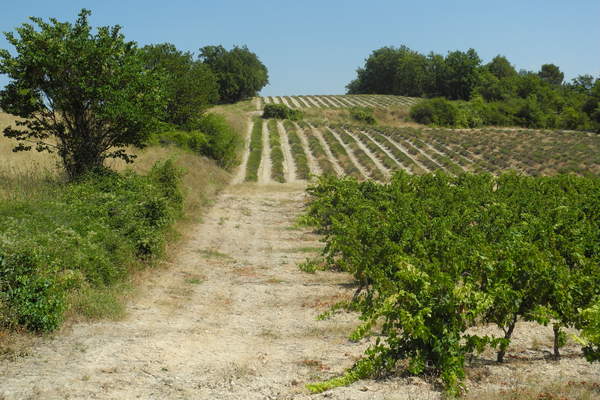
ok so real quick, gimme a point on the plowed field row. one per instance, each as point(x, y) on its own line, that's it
point(340, 101)
point(287, 151)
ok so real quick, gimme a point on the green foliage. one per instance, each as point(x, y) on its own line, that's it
point(363, 115)
point(591, 332)
point(402, 71)
point(85, 234)
point(551, 74)
point(85, 96)
point(223, 141)
point(534, 100)
point(435, 255)
point(438, 111)
point(210, 135)
point(281, 111)
point(192, 140)
point(256, 145)
point(240, 73)
point(276, 152)
point(190, 86)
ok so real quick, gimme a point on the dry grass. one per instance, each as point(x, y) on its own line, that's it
point(23, 174)
point(565, 390)
point(393, 116)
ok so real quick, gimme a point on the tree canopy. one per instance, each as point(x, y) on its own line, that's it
point(191, 86)
point(496, 93)
point(239, 72)
point(86, 96)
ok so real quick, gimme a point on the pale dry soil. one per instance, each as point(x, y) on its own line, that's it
point(234, 318)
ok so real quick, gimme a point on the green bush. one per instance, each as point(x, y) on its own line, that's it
point(438, 111)
point(281, 111)
point(223, 141)
point(434, 256)
point(363, 115)
point(210, 135)
point(86, 233)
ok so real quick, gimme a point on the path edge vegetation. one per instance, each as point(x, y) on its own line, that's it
point(72, 246)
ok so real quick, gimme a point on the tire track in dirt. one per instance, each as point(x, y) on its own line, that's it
point(289, 167)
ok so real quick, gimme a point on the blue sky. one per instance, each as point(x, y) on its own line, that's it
point(314, 47)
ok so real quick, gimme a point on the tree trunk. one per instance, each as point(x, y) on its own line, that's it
point(507, 334)
point(556, 329)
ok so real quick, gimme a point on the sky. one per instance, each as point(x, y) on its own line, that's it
point(315, 47)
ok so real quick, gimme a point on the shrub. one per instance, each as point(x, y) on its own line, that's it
point(281, 111)
point(438, 111)
point(210, 135)
point(83, 234)
point(363, 114)
point(223, 141)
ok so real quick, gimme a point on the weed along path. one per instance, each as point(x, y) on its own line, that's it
point(232, 318)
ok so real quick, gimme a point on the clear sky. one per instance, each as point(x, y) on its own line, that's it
point(314, 47)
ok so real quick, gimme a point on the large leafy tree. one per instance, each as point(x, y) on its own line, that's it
point(191, 86)
point(82, 94)
point(240, 73)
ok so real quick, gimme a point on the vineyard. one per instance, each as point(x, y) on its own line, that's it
point(435, 257)
point(446, 233)
point(288, 151)
point(340, 101)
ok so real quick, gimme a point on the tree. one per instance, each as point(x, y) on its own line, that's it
point(551, 74)
point(461, 74)
point(191, 86)
point(501, 68)
point(240, 73)
point(83, 95)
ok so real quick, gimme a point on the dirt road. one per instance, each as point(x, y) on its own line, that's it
point(232, 318)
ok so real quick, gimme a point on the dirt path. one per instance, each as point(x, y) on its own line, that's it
point(289, 168)
point(232, 318)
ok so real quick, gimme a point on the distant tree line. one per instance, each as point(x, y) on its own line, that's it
point(488, 94)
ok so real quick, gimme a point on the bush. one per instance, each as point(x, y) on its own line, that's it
point(86, 233)
point(223, 141)
point(210, 135)
point(438, 111)
point(363, 114)
point(281, 111)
